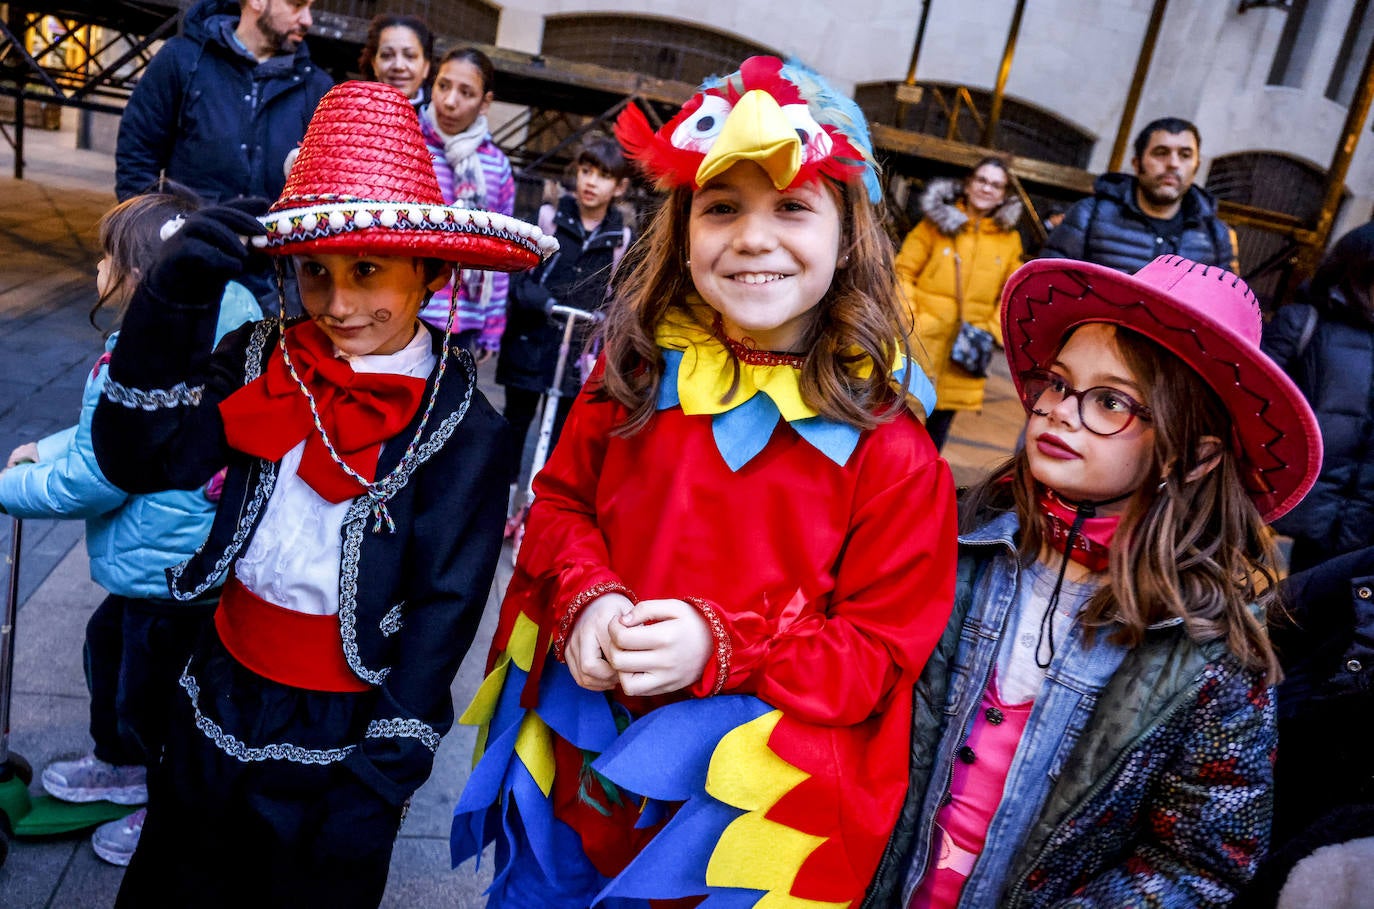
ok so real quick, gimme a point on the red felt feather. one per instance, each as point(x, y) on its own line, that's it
point(655, 154)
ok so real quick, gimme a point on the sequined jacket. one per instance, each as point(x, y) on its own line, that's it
point(409, 600)
point(1160, 796)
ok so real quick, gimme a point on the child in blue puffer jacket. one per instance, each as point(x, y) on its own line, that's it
point(138, 639)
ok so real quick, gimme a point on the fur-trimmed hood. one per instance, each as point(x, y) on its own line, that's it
point(938, 204)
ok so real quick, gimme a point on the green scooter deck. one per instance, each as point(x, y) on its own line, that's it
point(44, 815)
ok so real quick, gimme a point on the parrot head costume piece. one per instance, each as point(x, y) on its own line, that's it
point(782, 116)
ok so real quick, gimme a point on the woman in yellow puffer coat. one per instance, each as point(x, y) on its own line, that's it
point(968, 234)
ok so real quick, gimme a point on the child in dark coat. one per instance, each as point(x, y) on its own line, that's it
point(592, 236)
point(359, 526)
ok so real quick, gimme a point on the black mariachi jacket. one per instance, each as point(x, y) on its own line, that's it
point(409, 600)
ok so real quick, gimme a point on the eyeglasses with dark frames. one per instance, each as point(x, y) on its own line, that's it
point(990, 184)
point(1102, 410)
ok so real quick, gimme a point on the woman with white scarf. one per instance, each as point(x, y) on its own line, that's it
point(474, 173)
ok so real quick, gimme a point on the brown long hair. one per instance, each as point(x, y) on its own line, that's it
point(368, 56)
point(1197, 551)
point(860, 319)
point(131, 239)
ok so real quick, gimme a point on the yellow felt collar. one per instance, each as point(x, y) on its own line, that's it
point(708, 371)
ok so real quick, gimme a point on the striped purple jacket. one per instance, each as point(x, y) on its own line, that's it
point(488, 317)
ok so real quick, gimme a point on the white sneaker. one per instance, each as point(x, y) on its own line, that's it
point(92, 780)
point(116, 841)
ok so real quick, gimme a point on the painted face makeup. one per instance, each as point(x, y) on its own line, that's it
point(364, 304)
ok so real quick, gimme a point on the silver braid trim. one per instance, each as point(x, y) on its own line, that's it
point(262, 489)
point(257, 347)
point(355, 521)
point(398, 728)
point(393, 620)
point(281, 751)
point(179, 395)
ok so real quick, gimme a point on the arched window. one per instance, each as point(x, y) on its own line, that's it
point(465, 21)
point(943, 110)
point(1272, 181)
point(665, 48)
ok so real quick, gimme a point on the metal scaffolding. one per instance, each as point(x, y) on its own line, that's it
point(89, 55)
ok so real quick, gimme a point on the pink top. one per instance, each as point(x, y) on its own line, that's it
point(975, 791)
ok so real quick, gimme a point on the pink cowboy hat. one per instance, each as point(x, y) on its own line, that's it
point(1205, 316)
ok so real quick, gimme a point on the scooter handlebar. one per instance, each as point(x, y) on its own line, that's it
point(572, 312)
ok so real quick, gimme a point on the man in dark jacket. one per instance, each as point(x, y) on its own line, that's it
point(221, 105)
point(1131, 219)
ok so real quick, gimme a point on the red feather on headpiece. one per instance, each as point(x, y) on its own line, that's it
point(827, 123)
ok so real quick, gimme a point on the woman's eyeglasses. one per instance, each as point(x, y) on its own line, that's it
point(990, 184)
point(1102, 410)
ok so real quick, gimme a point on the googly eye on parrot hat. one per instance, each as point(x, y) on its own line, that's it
point(364, 184)
point(782, 116)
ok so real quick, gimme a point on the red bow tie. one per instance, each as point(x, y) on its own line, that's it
point(270, 415)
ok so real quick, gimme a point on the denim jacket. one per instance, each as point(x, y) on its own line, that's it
point(1144, 777)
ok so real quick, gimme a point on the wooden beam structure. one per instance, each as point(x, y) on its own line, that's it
point(565, 98)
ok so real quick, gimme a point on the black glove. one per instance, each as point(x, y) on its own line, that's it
point(528, 298)
point(206, 252)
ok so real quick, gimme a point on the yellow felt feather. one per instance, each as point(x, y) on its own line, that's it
point(754, 852)
point(534, 747)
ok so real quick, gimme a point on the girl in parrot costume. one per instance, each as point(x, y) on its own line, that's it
point(741, 552)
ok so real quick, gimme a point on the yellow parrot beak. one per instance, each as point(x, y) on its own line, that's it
point(756, 130)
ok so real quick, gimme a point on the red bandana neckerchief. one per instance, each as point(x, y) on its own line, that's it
point(1076, 531)
point(1091, 541)
point(270, 415)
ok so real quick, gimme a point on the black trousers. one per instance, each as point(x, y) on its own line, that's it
point(938, 424)
point(134, 651)
point(521, 408)
point(257, 829)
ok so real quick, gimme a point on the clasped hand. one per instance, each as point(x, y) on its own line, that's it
point(24, 454)
point(646, 648)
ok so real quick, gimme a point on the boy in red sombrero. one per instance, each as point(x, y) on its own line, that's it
point(1097, 726)
point(360, 521)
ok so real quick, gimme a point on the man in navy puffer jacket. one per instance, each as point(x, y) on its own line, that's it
point(1157, 211)
point(221, 105)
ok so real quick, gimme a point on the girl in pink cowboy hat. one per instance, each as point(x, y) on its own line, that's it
point(359, 525)
point(1097, 726)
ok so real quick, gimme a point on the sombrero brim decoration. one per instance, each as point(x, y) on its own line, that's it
point(364, 184)
point(1205, 316)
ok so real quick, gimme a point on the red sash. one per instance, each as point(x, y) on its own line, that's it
point(293, 648)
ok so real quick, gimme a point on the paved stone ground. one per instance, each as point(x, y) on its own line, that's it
point(48, 250)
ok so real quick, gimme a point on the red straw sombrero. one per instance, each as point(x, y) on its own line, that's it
point(364, 184)
point(1205, 316)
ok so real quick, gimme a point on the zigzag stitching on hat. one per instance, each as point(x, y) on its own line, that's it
point(309, 223)
point(1276, 463)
